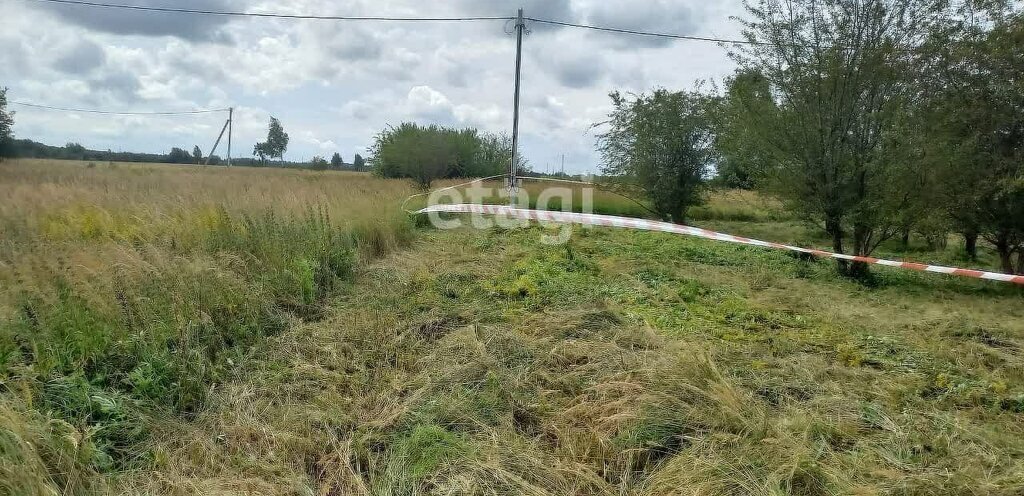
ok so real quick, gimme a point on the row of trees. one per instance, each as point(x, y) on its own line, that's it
point(6, 122)
point(875, 118)
point(426, 153)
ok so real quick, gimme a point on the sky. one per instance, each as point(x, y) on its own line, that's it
point(336, 84)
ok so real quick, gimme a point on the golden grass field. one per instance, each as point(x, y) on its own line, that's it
point(190, 330)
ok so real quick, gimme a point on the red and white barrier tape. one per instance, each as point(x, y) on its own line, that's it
point(652, 225)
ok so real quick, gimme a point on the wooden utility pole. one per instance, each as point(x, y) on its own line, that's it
point(231, 119)
point(514, 166)
point(227, 127)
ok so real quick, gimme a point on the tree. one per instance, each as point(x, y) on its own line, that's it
point(197, 154)
point(318, 163)
point(260, 151)
point(739, 154)
point(662, 143)
point(837, 72)
point(973, 99)
point(336, 161)
point(178, 156)
point(276, 143)
point(358, 163)
point(426, 153)
point(6, 123)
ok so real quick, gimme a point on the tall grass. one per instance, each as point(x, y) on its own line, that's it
point(128, 291)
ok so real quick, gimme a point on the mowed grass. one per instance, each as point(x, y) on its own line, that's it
point(487, 362)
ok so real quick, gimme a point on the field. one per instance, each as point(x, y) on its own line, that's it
point(181, 330)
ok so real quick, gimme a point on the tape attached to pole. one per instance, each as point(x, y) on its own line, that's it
point(652, 225)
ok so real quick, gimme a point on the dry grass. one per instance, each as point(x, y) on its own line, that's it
point(626, 363)
point(485, 362)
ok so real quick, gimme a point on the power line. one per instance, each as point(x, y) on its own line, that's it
point(107, 112)
point(176, 10)
point(648, 33)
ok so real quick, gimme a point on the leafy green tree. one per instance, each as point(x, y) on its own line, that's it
point(739, 153)
point(6, 123)
point(276, 143)
point(662, 143)
point(973, 102)
point(179, 156)
point(318, 163)
point(336, 161)
point(260, 151)
point(358, 163)
point(427, 153)
point(837, 71)
point(197, 154)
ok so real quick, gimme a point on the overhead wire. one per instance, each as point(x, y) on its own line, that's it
point(228, 13)
point(111, 112)
point(179, 10)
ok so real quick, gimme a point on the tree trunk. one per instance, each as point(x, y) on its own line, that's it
point(834, 228)
point(971, 244)
point(905, 239)
point(1020, 261)
point(861, 249)
point(1005, 252)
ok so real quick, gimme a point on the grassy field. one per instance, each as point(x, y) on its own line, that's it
point(178, 330)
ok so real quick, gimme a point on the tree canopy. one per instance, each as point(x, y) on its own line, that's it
point(427, 153)
point(661, 141)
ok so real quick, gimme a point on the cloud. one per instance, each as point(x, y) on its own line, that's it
point(579, 72)
point(428, 103)
point(547, 9)
point(143, 23)
point(83, 58)
point(659, 16)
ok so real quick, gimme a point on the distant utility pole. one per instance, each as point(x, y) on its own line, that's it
point(227, 127)
point(231, 126)
point(514, 166)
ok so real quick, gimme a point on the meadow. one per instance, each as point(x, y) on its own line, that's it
point(186, 330)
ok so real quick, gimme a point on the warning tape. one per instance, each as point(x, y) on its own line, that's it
point(652, 225)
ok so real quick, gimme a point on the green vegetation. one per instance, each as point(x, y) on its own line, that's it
point(623, 363)
point(275, 145)
point(662, 143)
point(125, 301)
point(234, 350)
point(427, 153)
point(6, 121)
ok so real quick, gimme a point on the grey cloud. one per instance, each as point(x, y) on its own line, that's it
point(579, 72)
point(121, 85)
point(84, 57)
point(548, 9)
point(573, 68)
point(353, 45)
point(661, 16)
point(134, 22)
point(13, 59)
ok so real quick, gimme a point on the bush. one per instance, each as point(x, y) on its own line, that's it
point(426, 153)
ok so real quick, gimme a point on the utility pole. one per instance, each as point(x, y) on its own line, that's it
point(514, 166)
point(231, 119)
point(563, 159)
point(227, 127)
